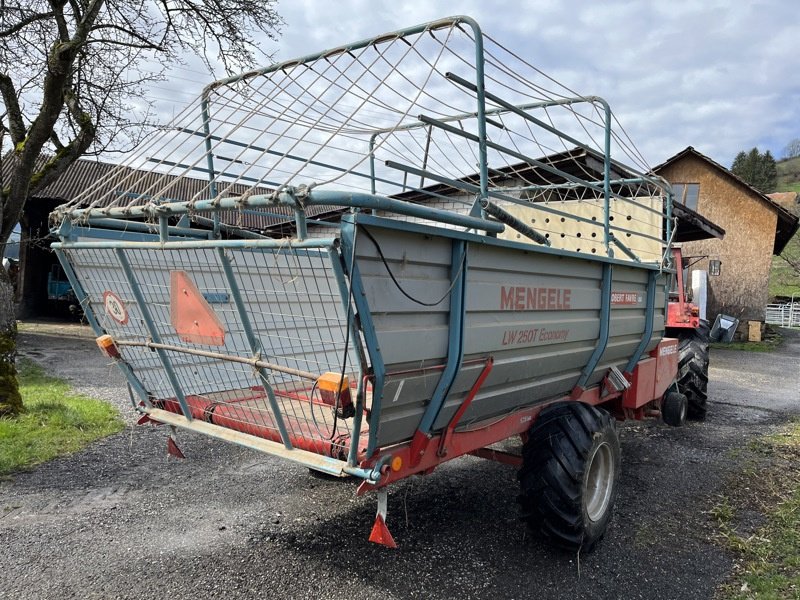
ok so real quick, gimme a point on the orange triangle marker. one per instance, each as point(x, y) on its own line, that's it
point(192, 317)
point(380, 534)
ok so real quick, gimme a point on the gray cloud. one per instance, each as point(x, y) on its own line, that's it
point(716, 75)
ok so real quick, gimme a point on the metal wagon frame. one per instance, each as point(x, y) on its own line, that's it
point(142, 248)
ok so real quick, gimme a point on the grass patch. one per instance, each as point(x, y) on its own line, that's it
point(769, 558)
point(745, 346)
point(56, 421)
point(783, 280)
point(771, 341)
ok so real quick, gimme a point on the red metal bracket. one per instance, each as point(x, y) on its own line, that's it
point(444, 441)
point(506, 458)
point(173, 450)
point(380, 532)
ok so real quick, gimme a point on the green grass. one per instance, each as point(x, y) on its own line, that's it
point(56, 421)
point(772, 339)
point(788, 172)
point(745, 346)
point(769, 558)
point(783, 280)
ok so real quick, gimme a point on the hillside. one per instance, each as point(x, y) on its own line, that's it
point(783, 280)
point(789, 175)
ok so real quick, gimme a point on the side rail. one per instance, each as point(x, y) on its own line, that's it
point(252, 341)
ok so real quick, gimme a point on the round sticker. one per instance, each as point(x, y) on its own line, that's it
point(115, 307)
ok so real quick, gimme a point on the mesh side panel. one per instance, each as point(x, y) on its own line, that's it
point(295, 309)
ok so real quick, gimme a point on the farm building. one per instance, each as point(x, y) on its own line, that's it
point(44, 292)
point(42, 289)
point(756, 228)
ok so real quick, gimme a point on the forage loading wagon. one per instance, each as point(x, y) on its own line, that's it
point(381, 257)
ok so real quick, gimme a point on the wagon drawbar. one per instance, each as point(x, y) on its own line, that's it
point(387, 255)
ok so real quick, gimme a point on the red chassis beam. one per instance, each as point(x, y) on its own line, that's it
point(649, 381)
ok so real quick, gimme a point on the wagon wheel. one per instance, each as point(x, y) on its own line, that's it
point(674, 409)
point(571, 465)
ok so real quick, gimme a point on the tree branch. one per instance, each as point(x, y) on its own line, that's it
point(61, 22)
point(25, 22)
point(16, 126)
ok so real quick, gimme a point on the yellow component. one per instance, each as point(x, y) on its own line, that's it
point(327, 382)
point(397, 463)
point(107, 345)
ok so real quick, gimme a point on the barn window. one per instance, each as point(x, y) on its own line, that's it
point(687, 194)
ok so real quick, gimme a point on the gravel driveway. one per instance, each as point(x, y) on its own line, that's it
point(122, 520)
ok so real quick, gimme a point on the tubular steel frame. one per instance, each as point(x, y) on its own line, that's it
point(109, 223)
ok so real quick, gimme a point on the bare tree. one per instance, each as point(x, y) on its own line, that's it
point(72, 80)
point(792, 149)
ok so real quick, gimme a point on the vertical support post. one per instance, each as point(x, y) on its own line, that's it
point(372, 186)
point(648, 322)
point(209, 158)
point(300, 223)
point(153, 331)
point(607, 178)
point(425, 156)
point(367, 327)
point(255, 345)
point(163, 228)
point(455, 352)
point(344, 291)
point(480, 85)
point(668, 211)
point(602, 341)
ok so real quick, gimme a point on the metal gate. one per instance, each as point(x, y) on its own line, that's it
point(785, 315)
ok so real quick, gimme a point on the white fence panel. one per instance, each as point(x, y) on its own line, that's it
point(785, 315)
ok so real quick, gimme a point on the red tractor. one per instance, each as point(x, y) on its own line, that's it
point(684, 323)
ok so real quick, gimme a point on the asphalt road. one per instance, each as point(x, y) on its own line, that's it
point(122, 520)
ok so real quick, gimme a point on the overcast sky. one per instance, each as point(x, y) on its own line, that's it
point(719, 76)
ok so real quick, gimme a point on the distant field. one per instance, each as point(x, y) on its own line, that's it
point(783, 280)
point(789, 171)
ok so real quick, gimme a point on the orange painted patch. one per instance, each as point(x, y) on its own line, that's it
point(192, 317)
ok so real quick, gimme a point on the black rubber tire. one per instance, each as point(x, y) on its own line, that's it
point(674, 409)
point(693, 367)
point(563, 498)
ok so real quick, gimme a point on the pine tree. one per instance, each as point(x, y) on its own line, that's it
point(757, 169)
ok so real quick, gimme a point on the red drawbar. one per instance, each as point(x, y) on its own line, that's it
point(192, 317)
point(380, 534)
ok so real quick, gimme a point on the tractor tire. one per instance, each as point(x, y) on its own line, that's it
point(693, 368)
point(570, 469)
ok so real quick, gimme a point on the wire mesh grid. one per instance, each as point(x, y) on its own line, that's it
point(395, 116)
point(294, 307)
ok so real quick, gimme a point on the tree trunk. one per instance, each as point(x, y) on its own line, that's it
point(10, 399)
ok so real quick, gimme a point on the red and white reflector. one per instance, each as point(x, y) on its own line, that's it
point(107, 346)
point(380, 534)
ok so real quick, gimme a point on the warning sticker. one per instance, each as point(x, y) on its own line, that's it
point(115, 307)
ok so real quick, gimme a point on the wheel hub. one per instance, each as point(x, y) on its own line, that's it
point(599, 482)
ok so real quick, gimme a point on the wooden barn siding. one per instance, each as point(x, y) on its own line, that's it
point(742, 289)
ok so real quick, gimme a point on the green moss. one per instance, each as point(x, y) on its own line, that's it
point(10, 398)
